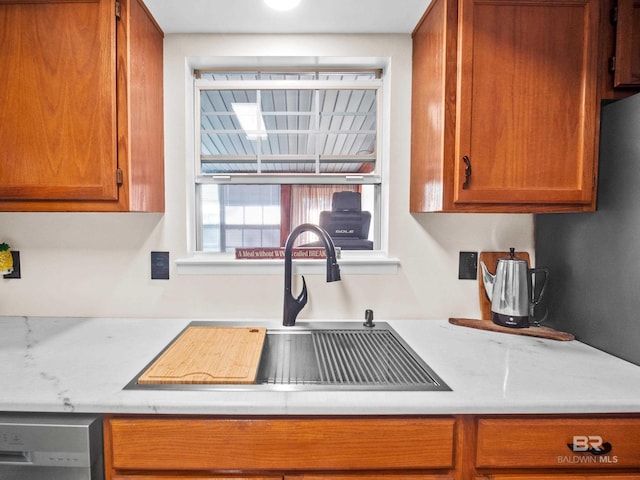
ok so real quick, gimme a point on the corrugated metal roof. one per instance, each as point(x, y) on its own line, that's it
point(307, 130)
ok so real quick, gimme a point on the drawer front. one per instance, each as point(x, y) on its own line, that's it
point(184, 477)
point(560, 476)
point(280, 444)
point(373, 476)
point(559, 443)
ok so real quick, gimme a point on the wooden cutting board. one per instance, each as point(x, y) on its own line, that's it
point(205, 354)
point(540, 332)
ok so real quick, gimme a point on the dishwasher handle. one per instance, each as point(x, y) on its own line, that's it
point(45, 459)
point(11, 458)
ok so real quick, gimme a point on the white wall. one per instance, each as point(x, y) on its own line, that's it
point(77, 264)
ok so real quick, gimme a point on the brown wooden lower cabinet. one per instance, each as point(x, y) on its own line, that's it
point(200, 477)
point(457, 447)
point(330, 476)
point(354, 448)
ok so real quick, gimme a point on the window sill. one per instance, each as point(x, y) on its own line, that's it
point(351, 263)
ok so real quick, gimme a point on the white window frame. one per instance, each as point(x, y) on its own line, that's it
point(352, 261)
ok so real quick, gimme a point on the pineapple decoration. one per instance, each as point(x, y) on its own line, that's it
point(6, 259)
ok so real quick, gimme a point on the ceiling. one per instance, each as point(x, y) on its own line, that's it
point(304, 130)
point(311, 16)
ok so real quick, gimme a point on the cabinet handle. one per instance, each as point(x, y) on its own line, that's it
point(467, 172)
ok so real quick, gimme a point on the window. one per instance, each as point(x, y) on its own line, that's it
point(240, 216)
point(277, 149)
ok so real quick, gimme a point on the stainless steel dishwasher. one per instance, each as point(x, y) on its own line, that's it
point(51, 447)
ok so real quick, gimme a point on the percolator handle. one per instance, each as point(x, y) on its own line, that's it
point(533, 272)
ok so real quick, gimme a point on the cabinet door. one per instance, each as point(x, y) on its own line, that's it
point(57, 100)
point(526, 126)
point(627, 64)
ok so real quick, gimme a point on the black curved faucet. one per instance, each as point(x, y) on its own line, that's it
point(292, 306)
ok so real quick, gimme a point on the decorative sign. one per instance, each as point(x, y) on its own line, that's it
point(267, 253)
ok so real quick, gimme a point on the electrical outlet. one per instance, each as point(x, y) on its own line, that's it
point(159, 265)
point(468, 266)
point(16, 265)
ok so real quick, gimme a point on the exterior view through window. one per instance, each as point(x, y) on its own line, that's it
point(277, 149)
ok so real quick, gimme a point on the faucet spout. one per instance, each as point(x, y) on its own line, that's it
point(293, 305)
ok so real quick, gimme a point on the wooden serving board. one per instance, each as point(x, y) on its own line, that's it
point(204, 354)
point(490, 259)
point(540, 332)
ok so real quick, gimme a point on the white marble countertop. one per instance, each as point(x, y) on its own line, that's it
point(82, 365)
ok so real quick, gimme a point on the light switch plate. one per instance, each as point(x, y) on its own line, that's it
point(468, 266)
point(159, 265)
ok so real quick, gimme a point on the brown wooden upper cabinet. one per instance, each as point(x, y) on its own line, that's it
point(505, 105)
point(81, 106)
point(626, 62)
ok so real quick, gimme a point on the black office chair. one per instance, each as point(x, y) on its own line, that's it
point(346, 223)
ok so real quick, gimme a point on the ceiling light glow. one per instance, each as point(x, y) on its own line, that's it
point(282, 4)
point(251, 120)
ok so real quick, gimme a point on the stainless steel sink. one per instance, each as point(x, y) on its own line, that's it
point(330, 356)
